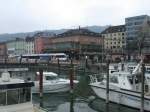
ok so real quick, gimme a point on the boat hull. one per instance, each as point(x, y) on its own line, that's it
point(129, 99)
point(53, 86)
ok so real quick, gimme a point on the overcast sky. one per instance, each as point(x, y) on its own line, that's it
point(31, 15)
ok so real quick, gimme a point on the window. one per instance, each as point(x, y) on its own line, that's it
point(136, 79)
point(15, 96)
point(51, 78)
point(3, 98)
point(114, 79)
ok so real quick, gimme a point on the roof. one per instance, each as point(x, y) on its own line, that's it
point(15, 40)
point(135, 17)
point(114, 29)
point(44, 34)
point(73, 32)
point(29, 39)
point(16, 85)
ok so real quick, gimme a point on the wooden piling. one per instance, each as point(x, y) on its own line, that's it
point(142, 87)
point(41, 83)
point(107, 83)
point(71, 102)
point(71, 76)
point(20, 60)
point(58, 64)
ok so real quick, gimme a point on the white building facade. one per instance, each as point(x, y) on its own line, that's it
point(30, 46)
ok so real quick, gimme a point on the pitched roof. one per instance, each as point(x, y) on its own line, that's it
point(114, 29)
point(79, 31)
point(29, 39)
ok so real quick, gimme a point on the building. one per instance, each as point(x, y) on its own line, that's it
point(3, 51)
point(114, 41)
point(133, 25)
point(29, 45)
point(133, 32)
point(76, 42)
point(16, 47)
point(145, 41)
point(40, 44)
point(41, 40)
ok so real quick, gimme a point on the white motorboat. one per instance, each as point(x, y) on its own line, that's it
point(131, 67)
point(124, 88)
point(52, 83)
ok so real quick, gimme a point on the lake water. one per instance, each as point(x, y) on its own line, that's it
point(63, 102)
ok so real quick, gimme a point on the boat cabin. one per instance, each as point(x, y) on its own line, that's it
point(47, 76)
point(125, 80)
point(14, 91)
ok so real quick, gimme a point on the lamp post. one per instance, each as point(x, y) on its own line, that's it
point(86, 63)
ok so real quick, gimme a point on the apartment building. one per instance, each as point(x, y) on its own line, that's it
point(16, 47)
point(30, 47)
point(114, 41)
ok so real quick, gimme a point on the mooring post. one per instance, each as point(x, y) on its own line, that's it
point(71, 102)
point(107, 83)
point(142, 87)
point(41, 83)
point(58, 63)
point(20, 60)
point(71, 76)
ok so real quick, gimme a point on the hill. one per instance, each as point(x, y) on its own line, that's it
point(6, 37)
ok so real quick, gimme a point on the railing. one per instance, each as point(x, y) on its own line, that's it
point(93, 78)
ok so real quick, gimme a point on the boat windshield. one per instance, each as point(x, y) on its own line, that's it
point(15, 96)
point(113, 79)
point(51, 77)
point(136, 79)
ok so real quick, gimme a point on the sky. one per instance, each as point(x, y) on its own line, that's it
point(34, 15)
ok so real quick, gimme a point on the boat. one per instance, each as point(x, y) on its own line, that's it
point(124, 88)
point(52, 83)
point(15, 94)
point(132, 67)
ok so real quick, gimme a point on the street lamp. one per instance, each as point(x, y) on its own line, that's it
point(86, 63)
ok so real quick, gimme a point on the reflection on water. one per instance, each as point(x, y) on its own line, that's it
point(63, 102)
point(51, 101)
point(101, 106)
